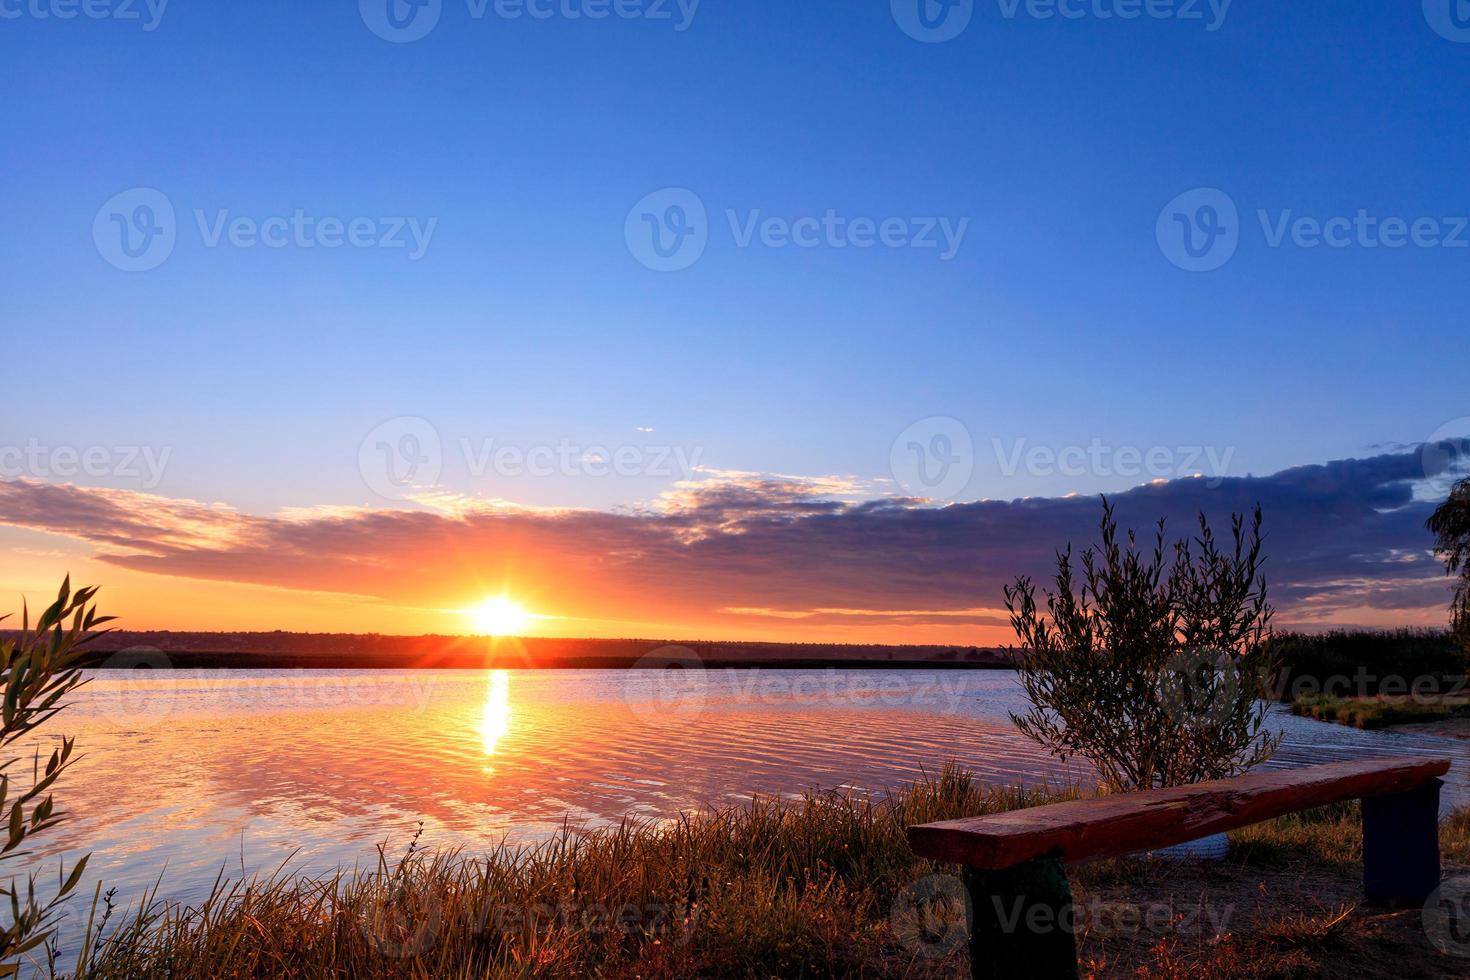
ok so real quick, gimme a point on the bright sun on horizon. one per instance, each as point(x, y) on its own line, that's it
point(500, 616)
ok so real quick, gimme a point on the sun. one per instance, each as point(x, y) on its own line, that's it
point(500, 616)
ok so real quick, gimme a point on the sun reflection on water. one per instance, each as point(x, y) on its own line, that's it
point(495, 720)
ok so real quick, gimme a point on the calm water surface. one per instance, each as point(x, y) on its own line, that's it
point(244, 770)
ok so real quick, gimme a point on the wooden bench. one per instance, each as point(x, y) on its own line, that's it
point(1015, 862)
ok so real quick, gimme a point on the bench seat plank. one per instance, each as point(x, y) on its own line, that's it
point(1111, 826)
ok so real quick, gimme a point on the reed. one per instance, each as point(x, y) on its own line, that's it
point(779, 887)
point(776, 887)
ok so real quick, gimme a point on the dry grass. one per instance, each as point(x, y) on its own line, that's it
point(777, 888)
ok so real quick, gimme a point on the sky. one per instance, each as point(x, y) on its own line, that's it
point(774, 321)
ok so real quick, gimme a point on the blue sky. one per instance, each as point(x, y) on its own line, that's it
point(1059, 322)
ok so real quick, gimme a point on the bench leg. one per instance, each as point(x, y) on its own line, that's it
point(1401, 846)
point(1024, 924)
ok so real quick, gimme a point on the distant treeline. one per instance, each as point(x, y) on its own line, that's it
point(1364, 663)
point(281, 649)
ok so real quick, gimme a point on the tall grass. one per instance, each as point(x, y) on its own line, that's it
point(775, 888)
point(781, 887)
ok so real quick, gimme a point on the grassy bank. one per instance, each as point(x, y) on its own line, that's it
point(823, 886)
point(1381, 711)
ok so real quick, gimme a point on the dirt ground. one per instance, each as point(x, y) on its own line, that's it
point(1231, 919)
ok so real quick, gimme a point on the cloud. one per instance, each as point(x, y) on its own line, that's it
point(1346, 544)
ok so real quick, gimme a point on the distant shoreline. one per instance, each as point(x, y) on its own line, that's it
point(342, 651)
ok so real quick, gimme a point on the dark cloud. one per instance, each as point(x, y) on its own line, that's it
point(1343, 538)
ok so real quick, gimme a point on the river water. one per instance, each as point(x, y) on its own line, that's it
point(186, 773)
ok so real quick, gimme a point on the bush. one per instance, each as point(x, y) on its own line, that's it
point(39, 668)
point(1150, 670)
